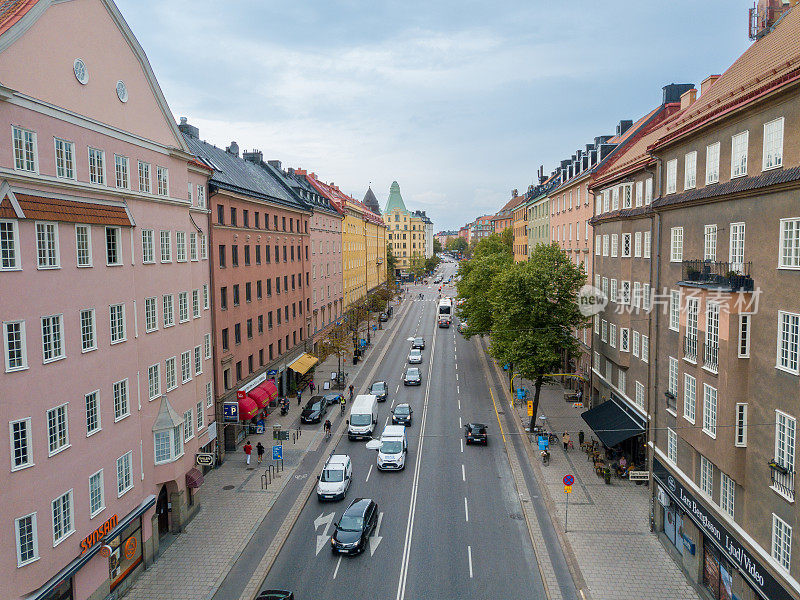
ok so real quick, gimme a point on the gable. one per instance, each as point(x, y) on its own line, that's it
point(53, 34)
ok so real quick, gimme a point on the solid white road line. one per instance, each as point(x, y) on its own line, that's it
point(369, 473)
point(469, 557)
point(466, 509)
point(463, 476)
point(338, 562)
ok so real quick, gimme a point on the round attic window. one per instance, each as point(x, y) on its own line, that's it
point(122, 91)
point(81, 73)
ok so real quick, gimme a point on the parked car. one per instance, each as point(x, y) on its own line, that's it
point(354, 528)
point(419, 342)
point(475, 433)
point(379, 389)
point(334, 481)
point(275, 595)
point(412, 376)
point(314, 410)
point(383, 317)
point(331, 399)
point(401, 415)
point(415, 356)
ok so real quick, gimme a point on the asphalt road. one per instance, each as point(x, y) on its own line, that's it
point(451, 524)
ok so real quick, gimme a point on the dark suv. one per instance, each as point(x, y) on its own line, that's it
point(419, 342)
point(380, 389)
point(354, 528)
point(475, 433)
point(314, 410)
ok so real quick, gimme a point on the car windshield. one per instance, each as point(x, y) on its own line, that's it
point(418, 340)
point(401, 410)
point(332, 475)
point(332, 398)
point(413, 373)
point(392, 447)
point(415, 352)
point(351, 523)
point(314, 407)
point(379, 387)
point(360, 419)
point(478, 430)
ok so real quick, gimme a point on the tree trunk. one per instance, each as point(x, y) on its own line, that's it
point(537, 386)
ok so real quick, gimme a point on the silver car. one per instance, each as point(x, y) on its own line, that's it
point(415, 356)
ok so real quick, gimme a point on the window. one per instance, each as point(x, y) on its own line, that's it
point(180, 246)
point(113, 246)
point(690, 170)
point(198, 360)
point(162, 178)
point(169, 311)
point(63, 523)
point(706, 476)
point(52, 338)
point(88, 337)
point(709, 410)
point(736, 257)
point(148, 253)
point(613, 291)
point(712, 163)
point(92, 413)
point(27, 539)
point(604, 329)
point(692, 310)
point(201, 196)
point(47, 245)
point(57, 429)
point(9, 246)
point(188, 425)
point(236, 294)
point(646, 253)
point(121, 407)
point(195, 304)
point(773, 144)
point(676, 244)
point(170, 374)
point(639, 394)
point(612, 335)
point(739, 154)
point(154, 381)
point(727, 494)
point(781, 541)
point(186, 367)
point(205, 296)
point(597, 245)
point(645, 348)
point(235, 255)
point(689, 397)
point(20, 433)
point(648, 190)
point(605, 245)
point(97, 171)
point(166, 247)
point(710, 243)
point(744, 336)
point(741, 424)
point(614, 245)
point(635, 349)
point(150, 314)
point(183, 307)
point(16, 352)
point(626, 245)
point(25, 153)
point(637, 294)
point(672, 175)
point(789, 249)
point(65, 159)
point(203, 248)
point(639, 193)
point(117, 318)
point(200, 413)
point(624, 339)
point(193, 245)
point(124, 478)
point(672, 382)
point(121, 171)
point(144, 177)
point(625, 292)
point(788, 341)
point(210, 394)
point(785, 440)
point(711, 349)
point(621, 381)
point(672, 446)
point(83, 245)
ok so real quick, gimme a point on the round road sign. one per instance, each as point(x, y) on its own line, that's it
point(569, 480)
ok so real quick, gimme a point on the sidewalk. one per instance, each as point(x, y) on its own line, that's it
point(608, 529)
point(233, 503)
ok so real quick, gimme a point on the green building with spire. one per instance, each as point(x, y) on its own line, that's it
point(406, 231)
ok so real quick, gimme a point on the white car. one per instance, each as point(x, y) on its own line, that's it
point(334, 481)
point(392, 448)
point(415, 356)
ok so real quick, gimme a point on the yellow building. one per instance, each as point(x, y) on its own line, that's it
point(520, 213)
point(406, 231)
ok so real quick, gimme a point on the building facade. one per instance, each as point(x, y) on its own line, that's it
point(520, 215)
point(427, 233)
point(405, 231)
point(107, 390)
point(539, 212)
point(480, 228)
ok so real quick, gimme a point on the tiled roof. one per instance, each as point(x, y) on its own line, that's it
point(69, 211)
point(623, 213)
point(299, 186)
point(741, 184)
point(340, 199)
point(12, 11)
point(233, 173)
point(768, 63)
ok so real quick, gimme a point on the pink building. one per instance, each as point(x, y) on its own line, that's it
point(107, 386)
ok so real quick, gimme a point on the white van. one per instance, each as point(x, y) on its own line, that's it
point(393, 448)
point(363, 417)
point(335, 478)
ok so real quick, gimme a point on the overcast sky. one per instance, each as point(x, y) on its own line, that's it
point(460, 101)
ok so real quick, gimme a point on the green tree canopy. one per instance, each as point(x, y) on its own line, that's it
point(391, 262)
point(437, 245)
point(457, 244)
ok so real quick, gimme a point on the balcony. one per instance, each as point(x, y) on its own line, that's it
point(782, 480)
point(690, 347)
point(711, 356)
point(733, 277)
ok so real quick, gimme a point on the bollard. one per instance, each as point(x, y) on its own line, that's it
point(264, 480)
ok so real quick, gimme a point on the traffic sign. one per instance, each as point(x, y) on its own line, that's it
point(530, 408)
point(230, 412)
point(272, 373)
point(569, 480)
point(204, 459)
point(567, 489)
point(277, 453)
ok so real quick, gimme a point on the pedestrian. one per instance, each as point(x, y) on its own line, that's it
point(351, 392)
point(565, 440)
point(311, 385)
point(299, 397)
point(260, 451)
point(580, 438)
point(247, 450)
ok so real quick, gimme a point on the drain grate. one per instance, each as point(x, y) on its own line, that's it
point(228, 487)
point(517, 516)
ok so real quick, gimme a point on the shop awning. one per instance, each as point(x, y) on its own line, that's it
point(194, 478)
point(271, 389)
point(611, 424)
point(260, 396)
point(303, 363)
point(247, 408)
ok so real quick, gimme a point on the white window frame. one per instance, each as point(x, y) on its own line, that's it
point(605, 244)
point(736, 248)
point(645, 348)
point(83, 246)
point(739, 156)
point(690, 170)
point(11, 259)
point(207, 346)
point(740, 435)
point(124, 473)
point(637, 244)
point(97, 166)
point(676, 244)
point(165, 239)
point(635, 348)
point(195, 304)
point(122, 405)
point(151, 314)
point(154, 381)
point(781, 542)
point(710, 242)
point(626, 245)
point(188, 425)
point(624, 339)
point(727, 494)
point(162, 181)
point(706, 483)
point(614, 245)
point(116, 233)
point(788, 339)
point(66, 498)
point(672, 446)
point(122, 170)
point(101, 494)
point(34, 538)
point(689, 398)
point(193, 246)
point(745, 324)
point(206, 300)
point(23, 348)
point(186, 367)
point(712, 163)
point(201, 196)
point(117, 336)
point(88, 330)
point(710, 405)
point(54, 339)
point(672, 378)
point(168, 306)
point(171, 373)
point(200, 416)
point(789, 244)
point(27, 138)
point(96, 408)
point(646, 245)
point(639, 193)
point(612, 335)
point(639, 395)
point(54, 448)
point(28, 443)
point(183, 307)
point(49, 256)
point(672, 176)
point(648, 190)
point(65, 164)
point(198, 360)
point(145, 177)
point(209, 394)
point(148, 247)
point(180, 246)
point(597, 246)
point(772, 155)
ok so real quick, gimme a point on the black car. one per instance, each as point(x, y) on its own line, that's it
point(401, 415)
point(314, 410)
point(380, 389)
point(419, 342)
point(275, 595)
point(475, 433)
point(354, 528)
point(412, 376)
point(383, 317)
point(331, 399)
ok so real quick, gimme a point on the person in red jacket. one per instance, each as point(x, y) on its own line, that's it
point(247, 450)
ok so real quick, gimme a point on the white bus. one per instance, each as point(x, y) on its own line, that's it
point(445, 312)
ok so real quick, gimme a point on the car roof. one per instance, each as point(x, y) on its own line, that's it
point(313, 400)
point(337, 459)
point(381, 382)
point(412, 369)
point(358, 506)
point(476, 425)
point(331, 396)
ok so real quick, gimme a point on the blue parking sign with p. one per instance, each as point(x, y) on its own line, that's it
point(277, 453)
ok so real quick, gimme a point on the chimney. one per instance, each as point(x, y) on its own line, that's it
point(673, 91)
point(254, 156)
point(706, 84)
point(189, 130)
point(688, 97)
point(275, 163)
point(514, 193)
point(623, 126)
point(601, 139)
point(233, 149)
point(290, 171)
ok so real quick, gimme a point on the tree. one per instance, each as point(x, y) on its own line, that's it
point(457, 244)
point(491, 258)
point(338, 343)
point(391, 262)
point(417, 266)
point(431, 263)
point(437, 245)
point(535, 310)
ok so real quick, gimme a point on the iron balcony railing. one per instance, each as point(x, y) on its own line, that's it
point(711, 356)
point(690, 347)
point(782, 479)
point(726, 275)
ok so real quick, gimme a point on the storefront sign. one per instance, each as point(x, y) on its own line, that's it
point(204, 459)
point(639, 475)
point(753, 570)
point(253, 383)
point(230, 412)
point(98, 534)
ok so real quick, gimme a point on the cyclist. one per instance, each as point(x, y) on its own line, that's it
point(341, 404)
point(327, 428)
point(351, 393)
